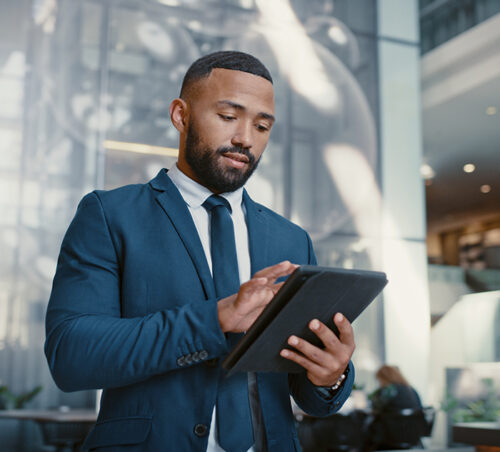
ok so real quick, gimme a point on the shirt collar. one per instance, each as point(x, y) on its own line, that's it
point(195, 194)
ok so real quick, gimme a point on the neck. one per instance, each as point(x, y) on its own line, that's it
point(187, 171)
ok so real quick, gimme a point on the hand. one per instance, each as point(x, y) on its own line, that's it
point(324, 366)
point(238, 312)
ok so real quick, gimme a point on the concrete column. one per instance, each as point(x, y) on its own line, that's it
point(406, 299)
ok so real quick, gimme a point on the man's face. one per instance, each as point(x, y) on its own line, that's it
point(208, 167)
point(230, 119)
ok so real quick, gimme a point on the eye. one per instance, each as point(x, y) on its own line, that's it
point(227, 117)
point(262, 128)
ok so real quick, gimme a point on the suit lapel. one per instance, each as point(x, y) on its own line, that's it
point(258, 234)
point(174, 206)
point(172, 203)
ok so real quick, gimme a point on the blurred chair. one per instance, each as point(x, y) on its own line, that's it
point(336, 433)
point(66, 437)
point(429, 416)
point(392, 430)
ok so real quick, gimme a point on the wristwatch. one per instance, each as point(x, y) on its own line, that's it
point(330, 391)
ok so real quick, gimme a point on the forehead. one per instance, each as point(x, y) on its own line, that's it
point(249, 90)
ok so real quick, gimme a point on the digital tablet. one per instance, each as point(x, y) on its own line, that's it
point(309, 292)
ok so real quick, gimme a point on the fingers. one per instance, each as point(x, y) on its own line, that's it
point(345, 330)
point(256, 291)
point(311, 352)
point(324, 366)
point(239, 311)
point(327, 336)
point(248, 303)
point(276, 287)
point(315, 372)
point(276, 271)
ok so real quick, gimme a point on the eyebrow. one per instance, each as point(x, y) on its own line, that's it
point(236, 106)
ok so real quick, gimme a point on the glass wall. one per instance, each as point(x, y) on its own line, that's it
point(85, 90)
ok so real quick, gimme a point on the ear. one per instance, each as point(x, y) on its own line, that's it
point(179, 112)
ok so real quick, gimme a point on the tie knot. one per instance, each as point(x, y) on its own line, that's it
point(215, 201)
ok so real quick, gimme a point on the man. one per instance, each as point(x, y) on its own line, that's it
point(144, 306)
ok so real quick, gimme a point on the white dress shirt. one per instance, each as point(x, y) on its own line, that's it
point(195, 195)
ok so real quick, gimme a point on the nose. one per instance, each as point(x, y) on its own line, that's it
point(243, 135)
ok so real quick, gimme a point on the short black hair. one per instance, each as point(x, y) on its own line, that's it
point(224, 59)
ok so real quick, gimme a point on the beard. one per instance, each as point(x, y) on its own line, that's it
point(206, 164)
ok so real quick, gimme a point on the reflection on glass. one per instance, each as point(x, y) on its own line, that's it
point(124, 168)
point(104, 72)
point(323, 108)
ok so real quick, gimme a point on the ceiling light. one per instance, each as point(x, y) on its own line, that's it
point(170, 2)
point(485, 188)
point(491, 111)
point(140, 148)
point(469, 167)
point(426, 171)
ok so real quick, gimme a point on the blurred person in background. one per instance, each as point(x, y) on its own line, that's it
point(394, 393)
point(396, 412)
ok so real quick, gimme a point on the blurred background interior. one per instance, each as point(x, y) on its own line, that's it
point(386, 149)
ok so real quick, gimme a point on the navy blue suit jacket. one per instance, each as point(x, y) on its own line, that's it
point(133, 311)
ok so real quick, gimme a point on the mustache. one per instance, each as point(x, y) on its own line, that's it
point(237, 150)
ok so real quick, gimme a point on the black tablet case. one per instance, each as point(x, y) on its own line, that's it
point(310, 292)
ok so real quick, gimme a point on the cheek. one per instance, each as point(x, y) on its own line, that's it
point(214, 135)
point(260, 146)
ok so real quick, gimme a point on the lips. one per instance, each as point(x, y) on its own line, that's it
point(236, 156)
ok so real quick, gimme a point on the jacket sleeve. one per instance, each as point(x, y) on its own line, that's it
point(88, 345)
point(309, 399)
point(305, 394)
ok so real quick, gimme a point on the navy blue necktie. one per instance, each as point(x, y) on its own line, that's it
point(233, 409)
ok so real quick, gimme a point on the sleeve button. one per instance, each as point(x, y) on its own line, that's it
point(181, 361)
point(203, 354)
point(200, 429)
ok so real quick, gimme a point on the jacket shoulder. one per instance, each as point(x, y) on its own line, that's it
point(124, 191)
point(118, 198)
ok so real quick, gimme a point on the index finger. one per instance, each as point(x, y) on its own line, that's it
point(276, 271)
point(346, 333)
